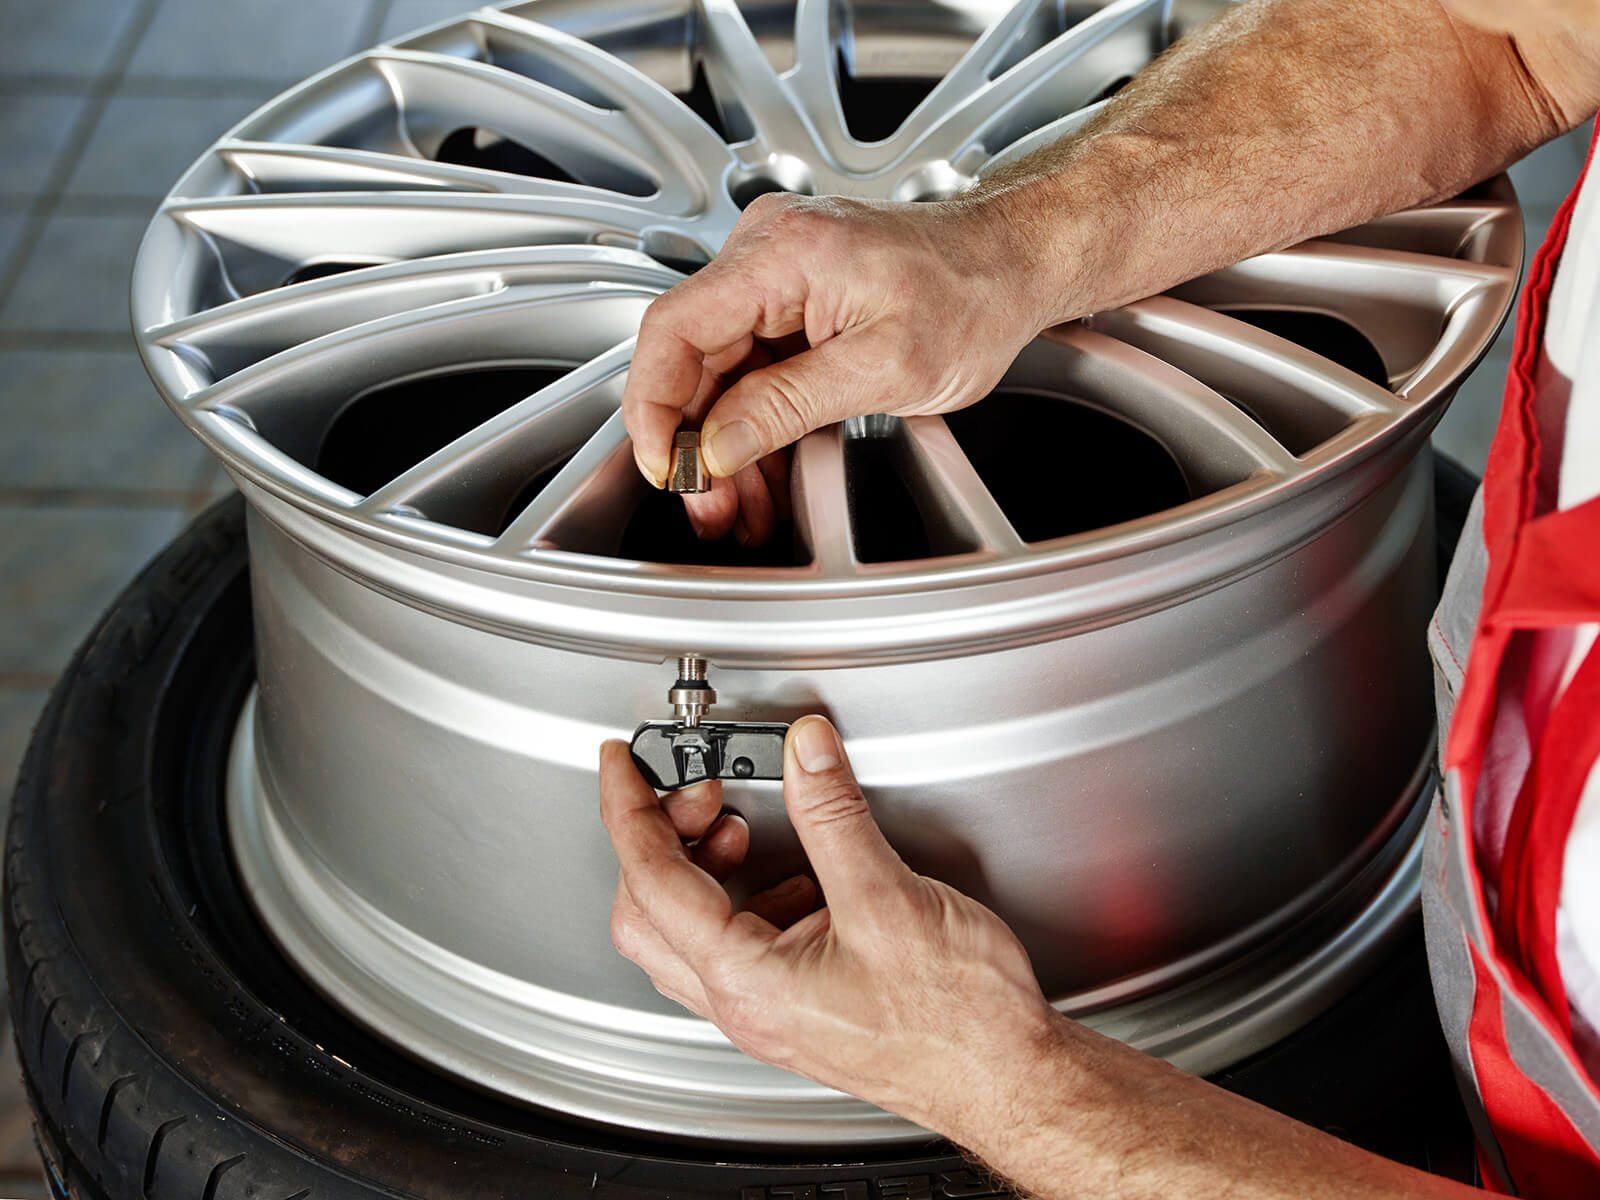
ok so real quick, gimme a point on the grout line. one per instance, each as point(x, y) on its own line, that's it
point(28, 681)
point(65, 339)
point(92, 497)
point(126, 205)
point(66, 161)
point(205, 87)
point(47, 82)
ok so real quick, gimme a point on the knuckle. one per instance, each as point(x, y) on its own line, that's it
point(786, 217)
point(625, 936)
point(787, 411)
point(739, 1016)
point(835, 801)
point(763, 207)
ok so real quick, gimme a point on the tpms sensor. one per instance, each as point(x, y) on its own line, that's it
point(674, 754)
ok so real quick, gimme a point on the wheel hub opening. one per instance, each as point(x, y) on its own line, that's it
point(383, 432)
point(1058, 467)
point(780, 173)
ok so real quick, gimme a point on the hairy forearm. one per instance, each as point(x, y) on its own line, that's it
point(1088, 1117)
point(1279, 121)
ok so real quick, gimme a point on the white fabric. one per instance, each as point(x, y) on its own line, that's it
point(1569, 370)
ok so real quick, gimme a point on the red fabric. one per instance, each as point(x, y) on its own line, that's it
point(1530, 889)
point(1547, 1156)
point(1543, 573)
point(1508, 494)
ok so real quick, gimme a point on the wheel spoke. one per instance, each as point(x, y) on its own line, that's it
point(1398, 301)
point(675, 134)
point(291, 397)
point(948, 490)
point(475, 477)
point(262, 240)
point(601, 147)
point(1452, 229)
point(1302, 397)
point(1044, 136)
point(293, 167)
point(814, 82)
point(743, 79)
point(821, 510)
point(236, 335)
point(1213, 442)
point(1021, 30)
point(1061, 76)
point(586, 507)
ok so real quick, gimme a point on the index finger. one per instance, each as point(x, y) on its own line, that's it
point(703, 317)
point(687, 906)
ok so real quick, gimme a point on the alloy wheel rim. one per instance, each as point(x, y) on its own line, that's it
point(328, 250)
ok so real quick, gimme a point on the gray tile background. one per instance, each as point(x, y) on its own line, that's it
point(102, 105)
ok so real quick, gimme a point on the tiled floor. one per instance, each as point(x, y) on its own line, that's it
point(102, 104)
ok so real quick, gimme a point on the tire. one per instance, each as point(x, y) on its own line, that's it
point(171, 1053)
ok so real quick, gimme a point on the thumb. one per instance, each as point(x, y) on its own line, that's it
point(768, 409)
point(848, 851)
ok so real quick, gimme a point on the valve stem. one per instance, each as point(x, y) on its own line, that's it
point(691, 696)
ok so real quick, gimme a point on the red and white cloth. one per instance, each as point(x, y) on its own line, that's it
point(1511, 873)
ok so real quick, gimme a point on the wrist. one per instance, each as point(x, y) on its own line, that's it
point(1017, 1084)
point(1038, 243)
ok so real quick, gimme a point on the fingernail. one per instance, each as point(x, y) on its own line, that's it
point(657, 480)
point(790, 887)
point(741, 532)
point(732, 447)
point(816, 746)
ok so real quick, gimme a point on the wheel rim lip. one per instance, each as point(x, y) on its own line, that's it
point(252, 459)
point(1267, 991)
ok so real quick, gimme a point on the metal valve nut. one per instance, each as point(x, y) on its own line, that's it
point(688, 475)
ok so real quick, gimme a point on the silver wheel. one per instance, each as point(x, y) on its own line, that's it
point(1168, 714)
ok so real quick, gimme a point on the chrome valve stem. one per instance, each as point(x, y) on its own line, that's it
point(691, 696)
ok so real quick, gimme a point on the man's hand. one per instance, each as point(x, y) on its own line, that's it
point(901, 990)
point(906, 993)
point(818, 309)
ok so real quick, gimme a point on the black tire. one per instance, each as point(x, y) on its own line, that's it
point(172, 1054)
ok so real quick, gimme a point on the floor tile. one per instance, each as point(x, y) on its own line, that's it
point(89, 419)
point(408, 15)
point(68, 37)
point(141, 144)
point(215, 486)
point(19, 709)
point(287, 39)
point(1544, 178)
point(60, 568)
point(1580, 138)
point(10, 228)
point(33, 130)
point(76, 278)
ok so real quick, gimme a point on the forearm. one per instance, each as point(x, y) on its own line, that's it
point(1088, 1117)
point(1279, 121)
